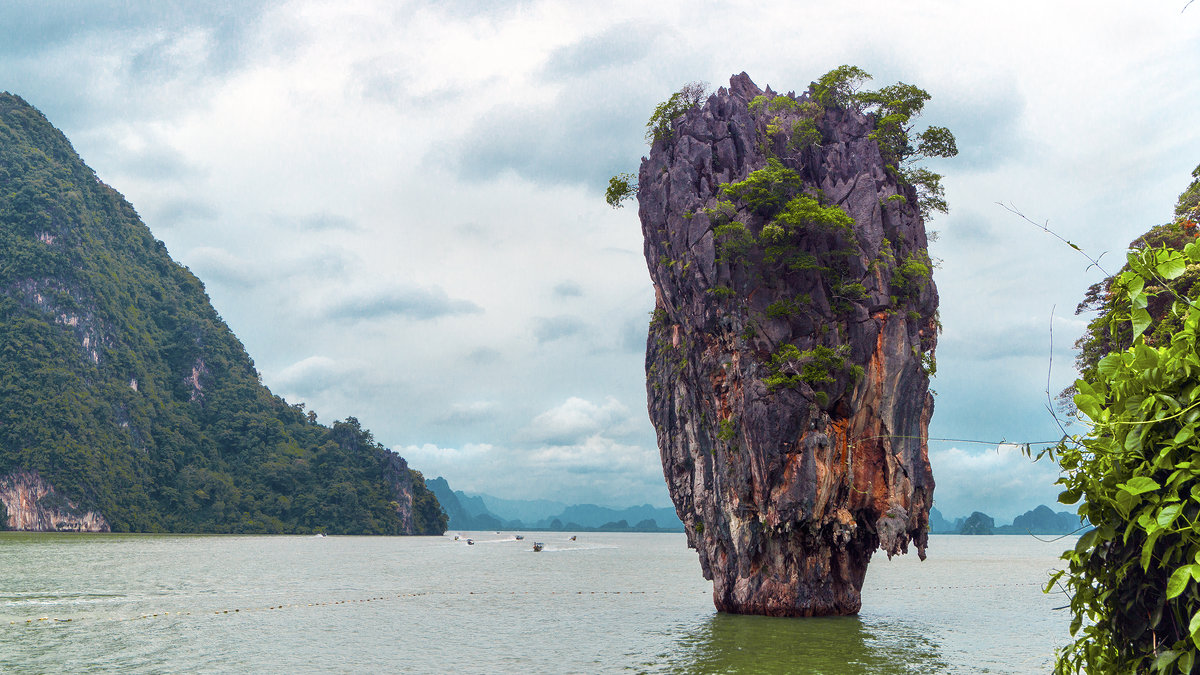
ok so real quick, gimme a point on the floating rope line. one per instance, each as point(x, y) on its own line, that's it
point(1025, 584)
point(325, 604)
point(295, 605)
point(958, 440)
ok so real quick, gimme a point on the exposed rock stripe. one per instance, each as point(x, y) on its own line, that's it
point(33, 505)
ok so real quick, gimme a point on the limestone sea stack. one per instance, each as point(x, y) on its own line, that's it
point(790, 348)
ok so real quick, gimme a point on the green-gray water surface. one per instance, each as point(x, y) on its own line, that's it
point(603, 603)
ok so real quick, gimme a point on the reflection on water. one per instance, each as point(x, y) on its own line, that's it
point(731, 643)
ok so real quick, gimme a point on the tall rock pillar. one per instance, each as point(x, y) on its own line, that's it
point(789, 353)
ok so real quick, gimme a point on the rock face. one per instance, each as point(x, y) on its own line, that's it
point(33, 505)
point(789, 353)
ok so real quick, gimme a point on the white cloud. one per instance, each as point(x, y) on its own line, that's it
point(574, 420)
point(1000, 482)
point(597, 454)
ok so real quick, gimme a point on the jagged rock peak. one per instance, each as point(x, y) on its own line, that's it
point(789, 352)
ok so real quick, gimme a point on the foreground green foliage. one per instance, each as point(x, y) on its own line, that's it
point(122, 386)
point(1133, 580)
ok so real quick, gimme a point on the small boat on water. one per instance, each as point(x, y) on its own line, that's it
point(537, 546)
point(470, 542)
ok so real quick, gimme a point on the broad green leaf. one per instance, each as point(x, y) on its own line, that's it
point(1167, 516)
point(1178, 581)
point(1192, 250)
point(1141, 321)
point(1125, 501)
point(1194, 628)
point(1147, 522)
point(1134, 284)
point(1133, 440)
point(1184, 435)
point(1072, 496)
point(1172, 405)
point(1185, 662)
point(1109, 365)
point(1173, 267)
point(1139, 484)
point(1086, 541)
point(1165, 658)
point(1136, 264)
point(1089, 405)
point(1148, 549)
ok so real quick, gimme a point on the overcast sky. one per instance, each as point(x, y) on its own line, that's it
point(398, 206)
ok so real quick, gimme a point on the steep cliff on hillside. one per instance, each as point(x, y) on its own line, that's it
point(125, 400)
point(33, 505)
point(790, 348)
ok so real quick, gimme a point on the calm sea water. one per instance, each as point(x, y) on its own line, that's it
point(605, 603)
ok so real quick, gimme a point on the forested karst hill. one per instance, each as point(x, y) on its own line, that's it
point(126, 401)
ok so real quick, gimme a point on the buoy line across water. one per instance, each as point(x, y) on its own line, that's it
point(44, 620)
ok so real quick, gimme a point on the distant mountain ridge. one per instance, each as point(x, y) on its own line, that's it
point(485, 512)
point(1041, 520)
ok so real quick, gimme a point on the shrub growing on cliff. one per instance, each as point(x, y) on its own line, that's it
point(789, 366)
point(774, 191)
point(659, 126)
point(765, 190)
point(893, 109)
point(839, 87)
point(621, 187)
point(911, 276)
